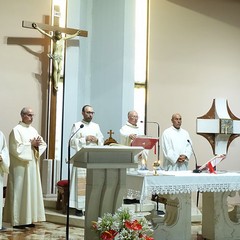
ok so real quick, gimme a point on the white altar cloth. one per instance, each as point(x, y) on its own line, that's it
point(174, 182)
point(177, 187)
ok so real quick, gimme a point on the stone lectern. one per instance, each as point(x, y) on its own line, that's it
point(106, 180)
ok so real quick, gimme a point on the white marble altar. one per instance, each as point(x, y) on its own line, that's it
point(106, 180)
point(177, 188)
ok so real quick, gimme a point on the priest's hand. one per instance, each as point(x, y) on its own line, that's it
point(91, 139)
point(132, 136)
point(36, 142)
point(182, 158)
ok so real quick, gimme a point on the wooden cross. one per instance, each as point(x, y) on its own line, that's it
point(52, 90)
point(47, 27)
point(110, 133)
point(219, 126)
point(110, 139)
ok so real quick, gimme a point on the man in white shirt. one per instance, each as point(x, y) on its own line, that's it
point(89, 135)
point(175, 145)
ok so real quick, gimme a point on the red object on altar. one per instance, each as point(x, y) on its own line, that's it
point(145, 142)
point(212, 163)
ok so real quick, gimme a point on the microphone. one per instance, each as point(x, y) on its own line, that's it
point(158, 135)
point(196, 170)
point(69, 148)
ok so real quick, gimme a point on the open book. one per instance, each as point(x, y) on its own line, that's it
point(212, 163)
point(145, 142)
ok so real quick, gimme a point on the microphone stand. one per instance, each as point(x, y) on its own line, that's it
point(196, 170)
point(68, 173)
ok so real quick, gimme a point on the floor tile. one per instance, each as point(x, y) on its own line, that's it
point(44, 230)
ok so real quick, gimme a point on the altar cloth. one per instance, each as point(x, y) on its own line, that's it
point(175, 182)
point(177, 188)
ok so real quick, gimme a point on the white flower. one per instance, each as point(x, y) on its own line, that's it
point(124, 225)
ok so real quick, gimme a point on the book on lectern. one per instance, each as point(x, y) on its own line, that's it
point(212, 163)
point(145, 142)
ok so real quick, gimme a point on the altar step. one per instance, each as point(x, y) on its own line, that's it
point(56, 216)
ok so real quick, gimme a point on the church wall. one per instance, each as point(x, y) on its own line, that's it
point(111, 55)
point(76, 56)
point(101, 73)
point(23, 68)
point(194, 56)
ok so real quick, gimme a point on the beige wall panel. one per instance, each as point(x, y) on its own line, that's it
point(23, 67)
point(194, 57)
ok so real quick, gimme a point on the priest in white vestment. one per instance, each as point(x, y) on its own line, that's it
point(175, 145)
point(88, 133)
point(130, 131)
point(4, 168)
point(24, 200)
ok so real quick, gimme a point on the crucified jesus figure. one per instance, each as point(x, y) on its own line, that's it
point(57, 53)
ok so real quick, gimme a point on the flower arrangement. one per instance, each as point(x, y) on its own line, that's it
point(123, 225)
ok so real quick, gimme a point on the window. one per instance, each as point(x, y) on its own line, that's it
point(140, 58)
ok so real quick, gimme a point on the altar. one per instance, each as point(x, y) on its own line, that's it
point(106, 180)
point(217, 222)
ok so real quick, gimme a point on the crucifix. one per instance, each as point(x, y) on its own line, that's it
point(110, 140)
point(219, 126)
point(54, 33)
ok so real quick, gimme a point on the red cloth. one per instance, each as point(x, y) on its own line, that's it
point(62, 183)
point(211, 168)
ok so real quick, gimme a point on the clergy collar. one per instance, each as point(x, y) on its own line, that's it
point(86, 122)
point(131, 125)
point(177, 129)
point(24, 124)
